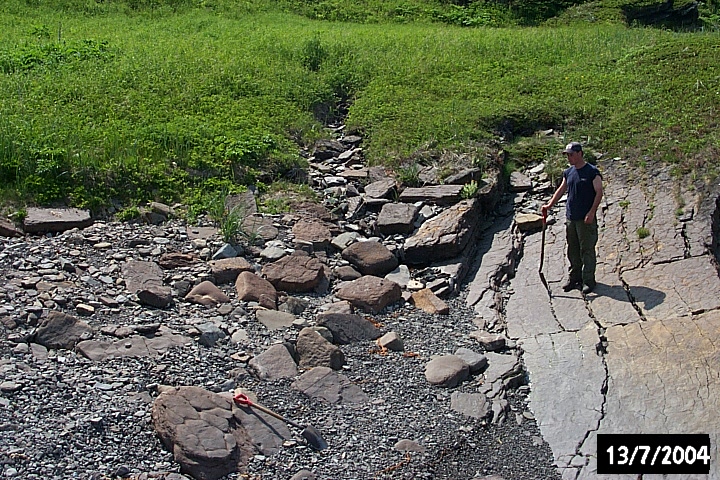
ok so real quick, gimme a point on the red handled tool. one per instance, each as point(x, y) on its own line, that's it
point(309, 432)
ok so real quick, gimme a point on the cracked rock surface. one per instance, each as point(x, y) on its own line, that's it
point(637, 355)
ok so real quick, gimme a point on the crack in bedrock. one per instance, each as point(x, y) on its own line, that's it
point(601, 351)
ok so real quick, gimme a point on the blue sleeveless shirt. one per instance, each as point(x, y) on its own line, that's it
point(580, 190)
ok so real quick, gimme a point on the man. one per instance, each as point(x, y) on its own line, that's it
point(583, 184)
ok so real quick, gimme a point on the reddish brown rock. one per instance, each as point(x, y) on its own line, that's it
point(313, 231)
point(370, 293)
point(173, 260)
point(315, 351)
point(295, 273)
point(252, 288)
point(428, 302)
point(227, 270)
point(206, 293)
point(7, 229)
point(202, 432)
point(371, 258)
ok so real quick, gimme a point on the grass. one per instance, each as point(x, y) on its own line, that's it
point(117, 104)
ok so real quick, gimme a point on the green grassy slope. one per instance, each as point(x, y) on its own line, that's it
point(134, 105)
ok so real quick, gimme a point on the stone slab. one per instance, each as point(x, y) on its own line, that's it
point(44, 220)
point(566, 377)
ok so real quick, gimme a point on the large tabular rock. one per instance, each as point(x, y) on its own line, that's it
point(252, 288)
point(438, 194)
point(528, 221)
point(444, 236)
point(446, 371)
point(370, 293)
point(60, 330)
point(295, 273)
point(313, 231)
point(397, 218)
point(44, 220)
point(315, 351)
point(135, 346)
point(199, 428)
point(226, 270)
point(380, 189)
point(371, 258)
point(206, 293)
point(348, 328)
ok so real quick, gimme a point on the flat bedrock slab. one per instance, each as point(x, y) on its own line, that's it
point(567, 378)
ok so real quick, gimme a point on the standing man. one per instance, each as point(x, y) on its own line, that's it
point(583, 184)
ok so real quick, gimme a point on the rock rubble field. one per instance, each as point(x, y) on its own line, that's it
point(407, 326)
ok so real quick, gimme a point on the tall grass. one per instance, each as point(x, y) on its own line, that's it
point(181, 101)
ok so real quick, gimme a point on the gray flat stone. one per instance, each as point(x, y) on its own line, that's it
point(275, 362)
point(397, 218)
point(274, 319)
point(438, 194)
point(44, 220)
point(348, 328)
point(324, 384)
point(473, 405)
point(567, 377)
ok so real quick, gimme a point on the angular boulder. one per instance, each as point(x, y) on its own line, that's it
point(370, 293)
point(428, 302)
point(315, 351)
point(59, 330)
point(226, 270)
point(397, 218)
point(252, 288)
point(275, 362)
point(444, 236)
point(371, 258)
point(313, 231)
point(295, 273)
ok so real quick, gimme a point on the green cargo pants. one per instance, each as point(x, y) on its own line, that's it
point(581, 240)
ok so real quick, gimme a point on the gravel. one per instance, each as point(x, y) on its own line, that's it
point(64, 416)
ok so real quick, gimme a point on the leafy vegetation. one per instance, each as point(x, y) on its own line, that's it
point(127, 101)
point(469, 190)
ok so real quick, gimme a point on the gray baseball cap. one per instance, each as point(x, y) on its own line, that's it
point(573, 147)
